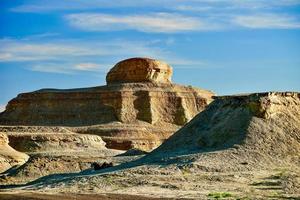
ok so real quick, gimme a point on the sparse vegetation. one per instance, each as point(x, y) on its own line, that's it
point(219, 195)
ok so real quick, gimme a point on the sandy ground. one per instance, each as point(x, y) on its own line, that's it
point(164, 182)
point(41, 196)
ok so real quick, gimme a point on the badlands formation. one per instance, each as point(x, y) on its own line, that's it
point(67, 130)
point(238, 147)
point(138, 108)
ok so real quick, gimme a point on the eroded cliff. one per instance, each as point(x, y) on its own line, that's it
point(138, 108)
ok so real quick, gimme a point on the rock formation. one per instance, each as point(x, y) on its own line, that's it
point(9, 157)
point(240, 132)
point(139, 70)
point(138, 108)
point(51, 150)
point(37, 139)
point(246, 145)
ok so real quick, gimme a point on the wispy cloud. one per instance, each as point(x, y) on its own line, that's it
point(59, 5)
point(31, 50)
point(28, 50)
point(88, 67)
point(156, 22)
point(2, 107)
point(168, 23)
point(269, 21)
point(74, 56)
point(170, 16)
point(65, 67)
point(59, 68)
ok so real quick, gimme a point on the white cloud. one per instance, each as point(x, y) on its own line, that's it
point(168, 23)
point(156, 22)
point(193, 8)
point(60, 68)
point(64, 67)
point(2, 107)
point(88, 67)
point(26, 50)
point(267, 21)
point(170, 16)
point(59, 5)
point(74, 56)
point(5, 56)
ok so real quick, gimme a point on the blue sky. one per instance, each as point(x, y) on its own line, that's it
point(227, 46)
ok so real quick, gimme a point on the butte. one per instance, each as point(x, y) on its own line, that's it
point(139, 107)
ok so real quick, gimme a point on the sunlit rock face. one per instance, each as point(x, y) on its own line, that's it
point(9, 157)
point(140, 70)
point(261, 129)
point(138, 108)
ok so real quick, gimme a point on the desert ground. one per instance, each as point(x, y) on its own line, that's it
point(244, 146)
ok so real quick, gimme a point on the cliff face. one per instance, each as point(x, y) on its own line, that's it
point(129, 114)
point(123, 102)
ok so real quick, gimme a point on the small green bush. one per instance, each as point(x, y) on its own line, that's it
point(219, 195)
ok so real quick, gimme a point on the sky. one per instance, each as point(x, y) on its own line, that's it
point(227, 46)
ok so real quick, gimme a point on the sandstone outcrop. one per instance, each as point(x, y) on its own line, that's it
point(9, 157)
point(240, 132)
point(138, 108)
point(139, 70)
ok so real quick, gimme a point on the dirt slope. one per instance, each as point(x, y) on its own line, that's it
point(239, 132)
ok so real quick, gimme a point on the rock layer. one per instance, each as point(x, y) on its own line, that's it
point(50, 139)
point(138, 114)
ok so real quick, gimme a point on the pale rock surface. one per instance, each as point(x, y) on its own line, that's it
point(9, 157)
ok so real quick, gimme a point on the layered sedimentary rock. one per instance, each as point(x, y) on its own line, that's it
point(139, 106)
point(9, 157)
point(240, 132)
point(37, 139)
